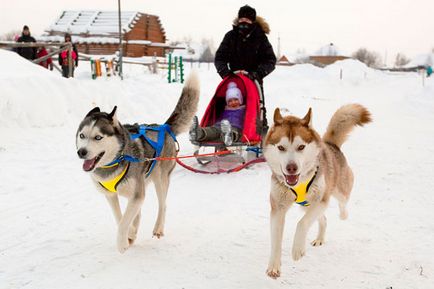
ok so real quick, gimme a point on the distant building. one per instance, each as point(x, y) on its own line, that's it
point(283, 60)
point(97, 32)
point(327, 55)
point(289, 59)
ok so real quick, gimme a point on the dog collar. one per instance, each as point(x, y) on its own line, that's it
point(300, 191)
point(111, 185)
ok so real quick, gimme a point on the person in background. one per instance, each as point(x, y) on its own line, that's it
point(428, 71)
point(26, 52)
point(63, 58)
point(48, 63)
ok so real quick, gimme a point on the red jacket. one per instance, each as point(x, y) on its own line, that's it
point(41, 53)
point(64, 57)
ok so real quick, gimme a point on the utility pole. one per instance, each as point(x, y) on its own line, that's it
point(385, 58)
point(120, 40)
point(278, 47)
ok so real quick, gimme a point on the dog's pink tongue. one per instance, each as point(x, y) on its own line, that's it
point(89, 164)
point(292, 179)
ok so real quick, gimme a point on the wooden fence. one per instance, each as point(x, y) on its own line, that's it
point(55, 48)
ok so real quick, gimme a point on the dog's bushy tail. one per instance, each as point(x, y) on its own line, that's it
point(181, 118)
point(343, 121)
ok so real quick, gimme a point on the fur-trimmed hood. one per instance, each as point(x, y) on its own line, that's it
point(260, 21)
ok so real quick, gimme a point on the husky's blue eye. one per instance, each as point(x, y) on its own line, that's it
point(98, 137)
point(82, 136)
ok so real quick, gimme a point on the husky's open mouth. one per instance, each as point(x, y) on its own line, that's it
point(291, 180)
point(89, 165)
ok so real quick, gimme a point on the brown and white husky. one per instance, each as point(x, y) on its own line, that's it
point(308, 170)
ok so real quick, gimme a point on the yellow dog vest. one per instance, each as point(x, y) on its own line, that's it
point(111, 185)
point(300, 192)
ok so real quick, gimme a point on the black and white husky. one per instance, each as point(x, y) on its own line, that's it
point(117, 162)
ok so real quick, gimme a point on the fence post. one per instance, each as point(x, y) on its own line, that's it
point(176, 68)
point(154, 64)
point(181, 69)
point(92, 68)
point(169, 67)
point(70, 64)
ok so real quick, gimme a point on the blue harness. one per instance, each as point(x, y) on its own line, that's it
point(157, 146)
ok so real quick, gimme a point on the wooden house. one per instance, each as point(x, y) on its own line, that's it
point(283, 60)
point(327, 55)
point(97, 32)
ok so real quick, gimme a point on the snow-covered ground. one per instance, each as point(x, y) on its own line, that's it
point(58, 232)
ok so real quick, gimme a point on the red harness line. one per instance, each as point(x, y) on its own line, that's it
point(192, 156)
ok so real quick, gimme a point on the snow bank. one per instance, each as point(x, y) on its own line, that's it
point(32, 96)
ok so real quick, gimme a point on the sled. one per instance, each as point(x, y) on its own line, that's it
point(216, 157)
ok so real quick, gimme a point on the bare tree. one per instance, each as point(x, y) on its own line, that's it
point(208, 53)
point(370, 58)
point(10, 36)
point(401, 60)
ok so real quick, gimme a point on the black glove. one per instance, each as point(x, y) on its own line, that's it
point(253, 75)
point(228, 73)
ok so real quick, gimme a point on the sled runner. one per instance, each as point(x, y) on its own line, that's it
point(238, 155)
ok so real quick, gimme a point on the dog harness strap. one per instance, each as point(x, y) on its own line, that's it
point(111, 185)
point(300, 192)
point(119, 159)
point(159, 144)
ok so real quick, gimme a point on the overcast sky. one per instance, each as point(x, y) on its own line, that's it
point(386, 26)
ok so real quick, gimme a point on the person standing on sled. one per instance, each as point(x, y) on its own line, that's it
point(246, 48)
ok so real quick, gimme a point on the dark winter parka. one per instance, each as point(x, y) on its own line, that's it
point(27, 52)
point(253, 53)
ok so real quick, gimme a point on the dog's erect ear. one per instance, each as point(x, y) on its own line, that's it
point(113, 113)
point(278, 119)
point(307, 119)
point(94, 110)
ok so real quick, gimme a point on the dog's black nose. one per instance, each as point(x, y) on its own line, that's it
point(82, 152)
point(292, 168)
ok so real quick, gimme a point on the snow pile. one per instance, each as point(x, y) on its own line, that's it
point(32, 96)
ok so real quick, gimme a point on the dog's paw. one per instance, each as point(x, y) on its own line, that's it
point(158, 234)
point(317, 242)
point(132, 236)
point(343, 215)
point(123, 244)
point(298, 252)
point(273, 272)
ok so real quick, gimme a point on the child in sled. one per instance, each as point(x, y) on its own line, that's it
point(229, 125)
